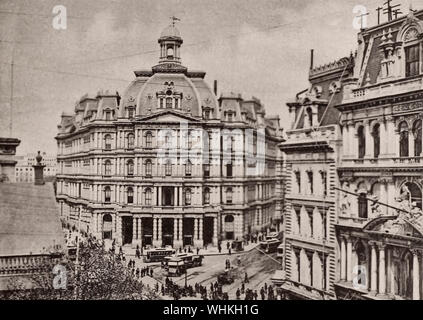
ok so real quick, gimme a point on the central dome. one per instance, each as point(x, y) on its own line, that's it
point(170, 32)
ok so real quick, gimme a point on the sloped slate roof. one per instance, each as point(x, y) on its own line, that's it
point(29, 219)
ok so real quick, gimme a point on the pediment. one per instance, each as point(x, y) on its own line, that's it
point(168, 116)
point(395, 226)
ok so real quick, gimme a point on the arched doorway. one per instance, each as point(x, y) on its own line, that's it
point(127, 229)
point(107, 226)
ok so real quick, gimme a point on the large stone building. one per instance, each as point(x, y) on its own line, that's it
point(24, 171)
point(381, 117)
point(312, 149)
point(169, 162)
point(371, 204)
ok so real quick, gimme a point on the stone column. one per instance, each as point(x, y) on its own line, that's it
point(384, 142)
point(160, 196)
point(140, 231)
point(349, 259)
point(154, 231)
point(382, 270)
point(175, 196)
point(159, 231)
point(195, 229)
point(343, 259)
point(393, 146)
point(134, 230)
point(175, 230)
point(200, 233)
point(410, 143)
point(373, 261)
point(180, 229)
point(369, 140)
point(214, 231)
point(345, 136)
point(390, 272)
point(416, 275)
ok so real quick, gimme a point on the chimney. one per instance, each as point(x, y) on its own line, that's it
point(311, 59)
point(215, 87)
point(39, 170)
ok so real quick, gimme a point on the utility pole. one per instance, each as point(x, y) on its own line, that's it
point(11, 98)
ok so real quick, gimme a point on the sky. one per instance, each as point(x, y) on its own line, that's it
point(258, 48)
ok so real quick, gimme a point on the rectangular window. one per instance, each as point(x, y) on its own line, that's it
point(412, 59)
point(206, 170)
point(229, 170)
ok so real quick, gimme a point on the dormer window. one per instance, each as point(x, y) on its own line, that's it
point(130, 112)
point(108, 115)
point(230, 116)
point(412, 60)
point(309, 112)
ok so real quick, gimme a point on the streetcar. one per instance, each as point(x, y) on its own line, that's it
point(157, 254)
point(190, 260)
point(270, 246)
point(175, 266)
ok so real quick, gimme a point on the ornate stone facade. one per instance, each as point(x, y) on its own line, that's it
point(381, 166)
point(168, 162)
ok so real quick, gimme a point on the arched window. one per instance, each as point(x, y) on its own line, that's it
point(187, 196)
point(107, 168)
point(229, 218)
point(415, 193)
point(130, 195)
point(229, 195)
point(169, 103)
point(310, 116)
point(170, 52)
point(206, 196)
point(403, 131)
point(412, 60)
point(362, 200)
point(148, 140)
point(361, 142)
point(298, 179)
point(130, 140)
point(147, 197)
point(107, 142)
point(310, 181)
point(130, 168)
point(188, 168)
point(148, 168)
point(107, 194)
point(361, 253)
point(376, 140)
point(417, 133)
point(362, 205)
point(168, 168)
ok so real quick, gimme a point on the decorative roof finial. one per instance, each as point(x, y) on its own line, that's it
point(173, 19)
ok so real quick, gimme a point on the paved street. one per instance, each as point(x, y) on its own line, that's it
point(258, 266)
